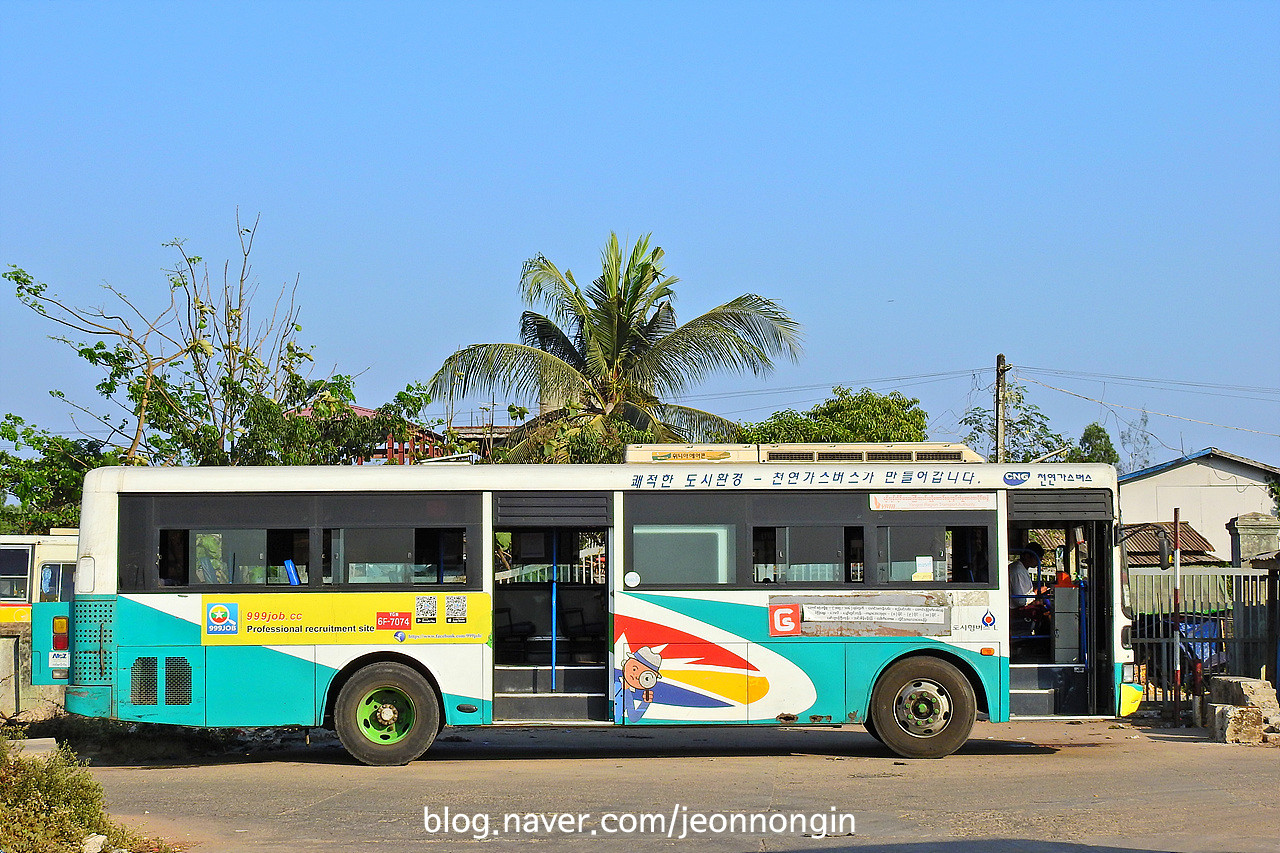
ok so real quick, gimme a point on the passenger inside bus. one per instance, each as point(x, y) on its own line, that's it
point(1021, 591)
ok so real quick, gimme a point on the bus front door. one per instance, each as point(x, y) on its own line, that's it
point(1061, 634)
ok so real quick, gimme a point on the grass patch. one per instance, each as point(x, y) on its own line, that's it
point(50, 804)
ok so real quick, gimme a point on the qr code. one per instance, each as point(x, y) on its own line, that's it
point(455, 609)
point(424, 610)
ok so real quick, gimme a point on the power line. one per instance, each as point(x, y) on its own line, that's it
point(1149, 411)
point(1244, 392)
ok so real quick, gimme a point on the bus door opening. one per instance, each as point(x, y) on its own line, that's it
point(1060, 612)
point(550, 624)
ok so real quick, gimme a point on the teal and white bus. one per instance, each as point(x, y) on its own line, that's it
point(795, 585)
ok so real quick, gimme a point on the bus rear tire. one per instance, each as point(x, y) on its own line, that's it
point(870, 726)
point(387, 714)
point(923, 707)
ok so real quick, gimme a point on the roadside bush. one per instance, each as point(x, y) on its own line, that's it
point(50, 804)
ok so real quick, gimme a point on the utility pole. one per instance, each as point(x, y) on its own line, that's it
point(1001, 370)
point(1177, 618)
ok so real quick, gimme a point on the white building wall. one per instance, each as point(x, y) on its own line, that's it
point(1210, 491)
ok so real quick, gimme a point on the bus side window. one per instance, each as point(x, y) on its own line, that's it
point(967, 555)
point(691, 554)
point(933, 554)
point(172, 563)
point(402, 555)
point(807, 554)
point(855, 554)
point(14, 565)
point(247, 556)
point(768, 562)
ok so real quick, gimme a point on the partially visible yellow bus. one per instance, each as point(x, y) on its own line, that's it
point(35, 568)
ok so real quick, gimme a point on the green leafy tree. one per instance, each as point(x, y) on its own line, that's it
point(1027, 432)
point(845, 416)
point(1094, 446)
point(40, 481)
point(206, 382)
point(603, 359)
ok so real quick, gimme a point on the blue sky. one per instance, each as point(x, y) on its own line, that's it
point(1090, 188)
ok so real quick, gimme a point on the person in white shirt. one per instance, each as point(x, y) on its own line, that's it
point(1021, 591)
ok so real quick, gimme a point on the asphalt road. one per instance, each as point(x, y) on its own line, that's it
point(1028, 786)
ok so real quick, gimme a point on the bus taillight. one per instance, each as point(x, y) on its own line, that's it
point(61, 638)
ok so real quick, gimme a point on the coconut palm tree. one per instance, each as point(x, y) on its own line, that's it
point(606, 358)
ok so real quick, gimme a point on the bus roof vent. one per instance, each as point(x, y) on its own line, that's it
point(939, 456)
point(789, 456)
point(890, 456)
point(839, 456)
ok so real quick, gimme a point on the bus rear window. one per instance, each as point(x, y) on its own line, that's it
point(57, 580)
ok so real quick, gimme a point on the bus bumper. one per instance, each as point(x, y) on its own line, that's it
point(1130, 698)
point(89, 701)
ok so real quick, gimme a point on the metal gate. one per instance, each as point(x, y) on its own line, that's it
point(1220, 629)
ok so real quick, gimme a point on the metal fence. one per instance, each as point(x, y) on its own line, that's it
point(1221, 629)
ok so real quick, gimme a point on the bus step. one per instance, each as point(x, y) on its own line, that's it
point(537, 679)
point(1032, 703)
point(550, 706)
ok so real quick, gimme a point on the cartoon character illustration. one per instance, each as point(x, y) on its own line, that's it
point(639, 675)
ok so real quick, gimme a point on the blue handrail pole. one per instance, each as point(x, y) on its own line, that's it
point(555, 573)
point(1084, 621)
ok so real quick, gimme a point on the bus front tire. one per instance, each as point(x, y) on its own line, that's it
point(923, 707)
point(387, 714)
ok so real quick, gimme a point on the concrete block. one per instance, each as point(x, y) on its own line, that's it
point(35, 746)
point(1234, 724)
point(1237, 690)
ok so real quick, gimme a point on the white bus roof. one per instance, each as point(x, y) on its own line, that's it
point(917, 476)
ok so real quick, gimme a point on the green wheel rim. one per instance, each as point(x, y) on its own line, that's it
point(386, 715)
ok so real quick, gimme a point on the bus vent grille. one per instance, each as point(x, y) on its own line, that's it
point(790, 455)
point(889, 456)
point(177, 681)
point(839, 456)
point(92, 641)
point(939, 456)
point(142, 687)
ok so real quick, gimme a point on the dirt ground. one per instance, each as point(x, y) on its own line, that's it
point(1025, 786)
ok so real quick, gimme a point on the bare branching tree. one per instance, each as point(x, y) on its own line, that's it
point(205, 380)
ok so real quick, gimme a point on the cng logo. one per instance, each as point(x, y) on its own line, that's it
point(784, 620)
point(1016, 478)
point(222, 619)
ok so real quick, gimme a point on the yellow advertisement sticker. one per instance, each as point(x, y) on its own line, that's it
point(346, 618)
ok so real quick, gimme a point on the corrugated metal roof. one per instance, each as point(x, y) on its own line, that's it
point(1142, 542)
point(1145, 538)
